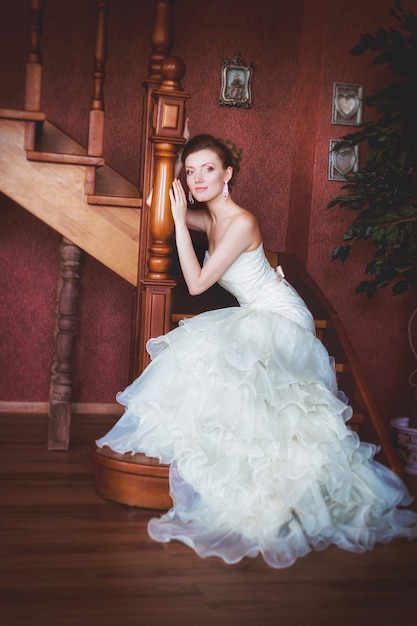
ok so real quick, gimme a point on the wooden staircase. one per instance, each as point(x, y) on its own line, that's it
point(55, 193)
point(94, 208)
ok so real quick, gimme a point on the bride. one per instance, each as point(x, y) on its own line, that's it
point(243, 404)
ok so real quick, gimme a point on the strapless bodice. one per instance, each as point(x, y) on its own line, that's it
point(256, 285)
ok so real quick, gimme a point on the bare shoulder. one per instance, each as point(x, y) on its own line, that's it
point(244, 221)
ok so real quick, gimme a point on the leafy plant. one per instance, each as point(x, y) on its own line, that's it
point(383, 192)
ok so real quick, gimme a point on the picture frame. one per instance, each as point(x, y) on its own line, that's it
point(347, 104)
point(342, 161)
point(236, 79)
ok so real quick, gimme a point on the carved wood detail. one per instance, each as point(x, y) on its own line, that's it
point(168, 127)
point(65, 329)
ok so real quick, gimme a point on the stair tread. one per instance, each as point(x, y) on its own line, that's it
point(119, 201)
point(21, 114)
point(54, 146)
point(61, 157)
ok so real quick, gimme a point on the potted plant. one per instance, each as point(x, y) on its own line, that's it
point(383, 192)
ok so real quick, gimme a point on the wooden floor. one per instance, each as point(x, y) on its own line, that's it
point(69, 558)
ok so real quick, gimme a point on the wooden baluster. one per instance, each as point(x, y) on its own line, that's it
point(61, 379)
point(34, 70)
point(96, 125)
point(169, 118)
point(96, 117)
point(161, 43)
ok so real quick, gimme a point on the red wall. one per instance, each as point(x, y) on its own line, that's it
point(298, 49)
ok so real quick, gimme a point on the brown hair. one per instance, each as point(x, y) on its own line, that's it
point(226, 150)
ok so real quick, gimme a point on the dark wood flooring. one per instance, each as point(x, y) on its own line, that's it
point(70, 558)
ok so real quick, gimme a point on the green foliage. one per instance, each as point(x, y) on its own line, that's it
point(383, 192)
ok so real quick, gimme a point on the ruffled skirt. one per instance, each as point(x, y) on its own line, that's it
point(244, 407)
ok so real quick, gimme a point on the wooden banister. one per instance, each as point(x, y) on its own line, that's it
point(96, 117)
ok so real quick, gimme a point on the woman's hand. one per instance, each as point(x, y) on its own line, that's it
point(178, 202)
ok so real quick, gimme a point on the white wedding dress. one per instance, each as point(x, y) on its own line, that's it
point(243, 404)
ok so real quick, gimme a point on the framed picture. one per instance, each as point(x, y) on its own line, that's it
point(236, 83)
point(342, 161)
point(347, 104)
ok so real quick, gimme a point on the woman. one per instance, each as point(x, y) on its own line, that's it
point(243, 403)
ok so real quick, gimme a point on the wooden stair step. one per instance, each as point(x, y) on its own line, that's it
point(61, 157)
point(110, 188)
point(119, 201)
point(52, 145)
point(342, 368)
point(28, 116)
point(355, 422)
point(46, 190)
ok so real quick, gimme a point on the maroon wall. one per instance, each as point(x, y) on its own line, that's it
point(298, 49)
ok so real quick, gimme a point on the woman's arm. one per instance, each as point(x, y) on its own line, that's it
point(241, 233)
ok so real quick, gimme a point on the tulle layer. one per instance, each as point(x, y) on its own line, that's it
point(244, 406)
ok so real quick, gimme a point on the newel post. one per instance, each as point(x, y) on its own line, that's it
point(168, 128)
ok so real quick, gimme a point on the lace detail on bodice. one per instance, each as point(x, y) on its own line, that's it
point(256, 285)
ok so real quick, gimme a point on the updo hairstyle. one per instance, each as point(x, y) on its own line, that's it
point(227, 151)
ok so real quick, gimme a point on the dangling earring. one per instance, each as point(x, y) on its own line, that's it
point(190, 197)
point(225, 193)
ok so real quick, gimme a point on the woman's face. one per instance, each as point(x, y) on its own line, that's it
point(206, 175)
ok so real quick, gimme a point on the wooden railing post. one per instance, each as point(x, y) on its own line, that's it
point(96, 115)
point(96, 118)
point(161, 43)
point(168, 124)
point(34, 70)
point(65, 326)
